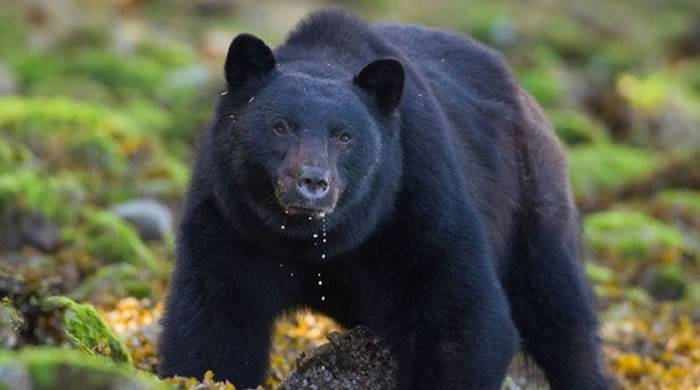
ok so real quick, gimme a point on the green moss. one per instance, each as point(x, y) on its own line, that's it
point(13, 156)
point(637, 295)
point(119, 71)
point(600, 168)
point(574, 127)
point(646, 94)
point(105, 236)
point(74, 87)
point(55, 368)
point(543, 84)
point(13, 30)
point(684, 201)
point(599, 273)
point(168, 54)
point(86, 330)
point(70, 133)
point(93, 140)
point(631, 235)
point(11, 322)
point(53, 196)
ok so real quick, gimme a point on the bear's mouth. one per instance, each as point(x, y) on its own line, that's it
point(317, 213)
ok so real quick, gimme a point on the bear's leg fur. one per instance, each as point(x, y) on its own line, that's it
point(221, 307)
point(551, 301)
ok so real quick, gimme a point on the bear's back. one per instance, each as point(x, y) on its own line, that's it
point(454, 63)
point(476, 94)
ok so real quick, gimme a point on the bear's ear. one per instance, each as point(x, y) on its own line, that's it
point(248, 57)
point(383, 79)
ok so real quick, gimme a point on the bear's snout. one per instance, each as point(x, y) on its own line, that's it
point(307, 189)
point(312, 183)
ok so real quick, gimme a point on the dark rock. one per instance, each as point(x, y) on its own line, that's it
point(152, 219)
point(10, 235)
point(40, 233)
point(351, 360)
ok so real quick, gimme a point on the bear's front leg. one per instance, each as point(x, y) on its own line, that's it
point(461, 337)
point(211, 326)
point(221, 307)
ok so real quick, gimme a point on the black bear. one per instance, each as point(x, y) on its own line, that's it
point(392, 176)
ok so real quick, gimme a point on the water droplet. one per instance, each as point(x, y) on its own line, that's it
point(281, 265)
point(319, 274)
point(324, 240)
point(291, 274)
point(315, 235)
point(323, 297)
point(320, 282)
point(282, 227)
point(286, 212)
point(310, 218)
point(323, 256)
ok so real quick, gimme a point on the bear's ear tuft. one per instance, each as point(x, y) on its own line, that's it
point(248, 57)
point(383, 79)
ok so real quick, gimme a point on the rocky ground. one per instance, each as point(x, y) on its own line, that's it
point(101, 102)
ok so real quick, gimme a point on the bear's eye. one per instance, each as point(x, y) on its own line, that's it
point(280, 128)
point(344, 138)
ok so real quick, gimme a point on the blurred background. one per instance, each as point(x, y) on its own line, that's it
point(101, 103)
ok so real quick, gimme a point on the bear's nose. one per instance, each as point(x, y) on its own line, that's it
point(312, 183)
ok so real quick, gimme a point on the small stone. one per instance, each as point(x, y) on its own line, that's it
point(152, 219)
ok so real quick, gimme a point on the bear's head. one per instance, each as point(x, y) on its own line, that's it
point(305, 140)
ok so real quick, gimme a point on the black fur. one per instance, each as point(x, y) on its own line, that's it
point(454, 236)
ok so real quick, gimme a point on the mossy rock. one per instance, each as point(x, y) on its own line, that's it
point(53, 196)
point(13, 156)
point(678, 204)
point(48, 368)
point(67, 133)
point(123, 74)
point(685, 200)
point(575, 128)
point(669, 282)
point(86, 330)
point(11, 322)
point(113, 282)
point(96, 142)
point(105, 236)
point(599, 274)
point(632, 236)
point(600, 169)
